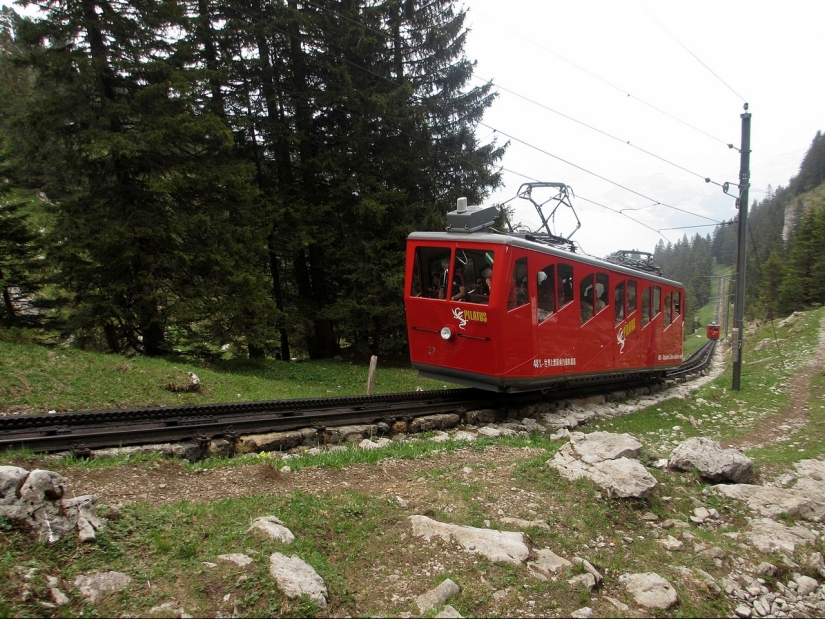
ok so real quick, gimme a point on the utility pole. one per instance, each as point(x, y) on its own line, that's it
point(741, 255)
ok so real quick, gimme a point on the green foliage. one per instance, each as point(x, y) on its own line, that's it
point(241, 176)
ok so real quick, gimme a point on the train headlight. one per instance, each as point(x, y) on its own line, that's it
point(447, 333)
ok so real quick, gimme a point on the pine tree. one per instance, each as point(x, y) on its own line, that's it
point(155, 236)
point(19, 267)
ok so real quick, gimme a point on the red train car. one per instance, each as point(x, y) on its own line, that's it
point(713, 331)
point(509, 312)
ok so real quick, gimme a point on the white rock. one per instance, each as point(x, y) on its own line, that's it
point(237, 558)
point(438, 596)
point(619, 605)
point(273, 528)
point(650, 590)
point(296, 577)
point(489, 431)
point(506, 546)
point(671, 543)
point(547, 563)
point(449, 612)
point(600, 446)
point(770, 536)
point(711, 461)
point(805, 585)
point(772, 502)
point(96, 585)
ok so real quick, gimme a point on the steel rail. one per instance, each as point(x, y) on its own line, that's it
point(82, 431)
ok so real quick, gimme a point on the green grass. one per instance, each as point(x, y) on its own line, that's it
point(356, 537)
point(38, 379)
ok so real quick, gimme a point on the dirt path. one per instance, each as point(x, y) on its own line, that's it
point(795, 416)
point(169, 482)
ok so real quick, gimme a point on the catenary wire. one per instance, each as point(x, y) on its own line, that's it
point(529, 100)
point(599, 176)
point(611, 85)
point(685, 47)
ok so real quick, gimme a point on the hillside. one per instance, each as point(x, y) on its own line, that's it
point(350, 514)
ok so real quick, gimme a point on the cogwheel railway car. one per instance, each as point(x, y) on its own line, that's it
point(519, 311)
point(713, 331)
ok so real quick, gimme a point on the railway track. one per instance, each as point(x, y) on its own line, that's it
point(81, 432)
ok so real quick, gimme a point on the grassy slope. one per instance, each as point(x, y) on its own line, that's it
point(38, 379)
point(355, 539)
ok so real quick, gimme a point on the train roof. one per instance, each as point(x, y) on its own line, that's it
point(518, 241)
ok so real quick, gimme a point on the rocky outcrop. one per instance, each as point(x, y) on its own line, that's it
point(33, 501)
point(505, 546)
point(600, 456)
point(711, 461)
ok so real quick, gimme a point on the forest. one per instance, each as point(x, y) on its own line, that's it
point(236, 176)
point(240, 177)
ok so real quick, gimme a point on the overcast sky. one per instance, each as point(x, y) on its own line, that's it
point(689, 63)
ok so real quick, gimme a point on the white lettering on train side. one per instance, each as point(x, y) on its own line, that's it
point(554, 363)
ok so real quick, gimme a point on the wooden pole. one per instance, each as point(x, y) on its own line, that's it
point(371, 378)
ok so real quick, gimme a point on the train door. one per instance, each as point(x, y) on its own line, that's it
point(652, 324)
point(517, 333)
point(557, 323)
point(626, 324)
point(671, 351)
point(594, 350)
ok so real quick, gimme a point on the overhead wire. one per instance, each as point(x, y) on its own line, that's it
point(611, 85)
point(596, 129)
point(685, 47)
point(532, 101)
point(599, 176)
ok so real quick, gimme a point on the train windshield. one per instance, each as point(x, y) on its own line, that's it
point(465, 276)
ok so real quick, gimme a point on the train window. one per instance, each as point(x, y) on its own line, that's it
point(645, 306)
point(546, 280)
point(677, 304)
point(565, 284)
point(428, 274)
point(618, 299)
point(668, 315)
point(476, 267)
point(657, 301)
point(518, 285)
point(586, 295)
point(602, 291)
point(631, 296)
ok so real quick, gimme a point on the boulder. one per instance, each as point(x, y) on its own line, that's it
point(650, 590)
point(711, 461)
point(506, 546)
point(600, 446)
point(603, 457)
point(771, 502)
point(296, 577)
